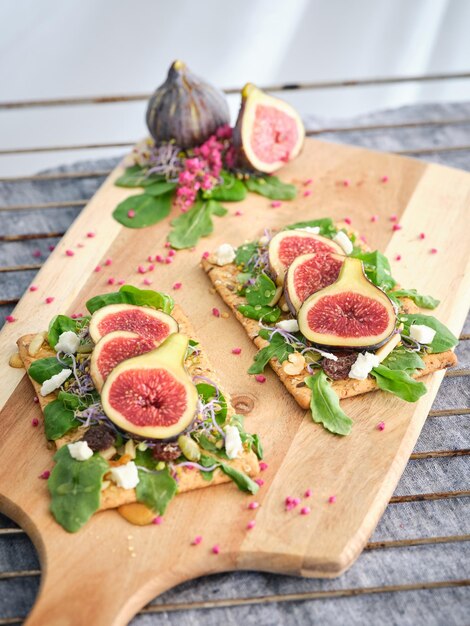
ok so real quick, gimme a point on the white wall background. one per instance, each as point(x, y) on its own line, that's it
point(57, 48)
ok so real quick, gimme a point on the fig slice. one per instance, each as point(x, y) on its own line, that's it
point(114, 348)
point(287, 245)
point(142, 320)
point(268, 132)
point(350, 313)
point(152, 395)
point(309, 273)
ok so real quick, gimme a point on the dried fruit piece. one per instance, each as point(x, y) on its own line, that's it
point(309, 273)
point(114, 348)
point(166, 451)
point(339, 369)
point(142, 320)
point(351, 313)
point(99, 437)
point(268, 132)
point(287, 245)
point(137, 513)
point(152, 395)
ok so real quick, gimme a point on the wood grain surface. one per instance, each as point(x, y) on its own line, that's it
point(91, 577)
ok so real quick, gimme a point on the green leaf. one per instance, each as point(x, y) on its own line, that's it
point(327, 228)
point(217, 209)
point(58, 420)
point(43, 369)
point(278, 348)
point(245, 253)
point(325, 407)
point(230, 190)
point(262, 292)
point(190, 226)
point(75, 488)
point(271, 187)
point(399, 383)
point(206, 392)
point(148, 210)
point(135, 176)
point(269, 314)
point(443, 339)
point(159, 188)
point(253, 440)
point(62, 323)
point(156, 490)
point(128, 294)
point(377, 268)
point(424, 302)
point(210, 446)
point(401, 359)
point(243, 482)
point(257, 446)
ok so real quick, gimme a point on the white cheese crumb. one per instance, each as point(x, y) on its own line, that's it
point(224, 254)
point(290, 326)
point(54, 382)
point(314, 230)
point(328, 355)
point(363, 365)
point(422, 333)
point(343, 240)
point(80, 450)
point(68, 342)
point(125, 476)
point(233, 442)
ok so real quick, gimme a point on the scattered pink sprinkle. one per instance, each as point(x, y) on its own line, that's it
point(131, 213)
point(10, 319)
point(305, 510)
point(381, 426)
point(374, 218)
point(397, 227)
point(149, 258)
point(171, 253)
point(80, 245)
point(157, 520)
point(197, 540)
point(363, 238)
point(238, 213)
point(51, 248)
point(35, 422)
point(288, 500)
point(33, 288)
point(177, 286)
point(433, 251)
point(260, 378)
point(236, 350)
point(422, 236)
point(49, 299)
point(205, 255)
point(45, 475)
point(253, 505)
point(167, 244)
point(108, 262)
point(215, 312)
point(36, 400)
point(308, 493)
point(307, 192)
point(384, 179)
point(111, 281)
point(147, 281)
point(251, 524)
point(98, 268)
point(393, 218)
point(259, 482)
point(398, 257)
point(121, 282)
point(216, 549)
point(168, 260)
point(37, 254)
point(159, 258)
point(346, 182)
point(141, 269)
point(332, 499)
point(90, 235)
point(151, 267)
point(347, 220)
point(296, 501)
point(309, 181)
point(263, 466)
point(74, 316)
point(69, 253)
point(276, 203)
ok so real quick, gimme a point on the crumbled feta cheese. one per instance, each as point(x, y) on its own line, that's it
point(290, 326)
point(363, 365)
point(328, 355)
point(422, 333)
point(314, 230)
point(54, 382)
point(224, 254)
point(68, 342)
point(125, 476)
point(343, 240)
point(80, 450)
point(233, 442)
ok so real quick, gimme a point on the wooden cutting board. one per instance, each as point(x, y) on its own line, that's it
point(106, 572)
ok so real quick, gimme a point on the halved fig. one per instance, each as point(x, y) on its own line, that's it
point(309, 273)
point(142, 320)
point(287, 245)
point(152, 395)
point(268, 132)
point(350, 313)
point(114, 348)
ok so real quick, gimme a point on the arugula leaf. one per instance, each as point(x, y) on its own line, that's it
point(326, 225)
point(271, 187)
point(218, 209)
point(75, 488)
point(58, 419)
point(269, 314)
point(443, 339)
point(424, 302)
point(136, 176)
point(377, 268)
point(209, 446)
point(252, 439)
point(190, 226)
point(243, 482)
point(132, 295)
point(399, 383)
point(245, 252)
point(325, 407)
point(262, 292)
point(207, 392)
point(62, 323)
point(230, 190)
point(148, 209)
point(159, 188)
point(155, 490)
point(278, 348)
point(401, 359)
point(42, 369)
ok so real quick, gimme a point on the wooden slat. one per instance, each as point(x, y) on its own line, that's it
point(423, 497)
point(447, 412)
point(30, 236)
point(19, 574)
point(439, 454)
point(433, 150)
point(58, 176)
point(420, 541)
point(63, 204)
point(91, 146)
point(20, 268)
